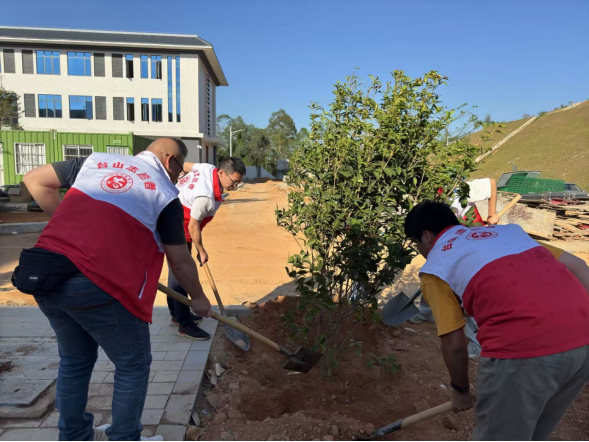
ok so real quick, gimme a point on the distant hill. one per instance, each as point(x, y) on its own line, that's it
point(556, 144)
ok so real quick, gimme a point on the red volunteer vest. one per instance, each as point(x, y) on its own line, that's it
point(525, 302)
point(202, 181)
point(106, 225)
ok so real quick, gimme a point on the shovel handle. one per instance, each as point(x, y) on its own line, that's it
point(512, 203)
point(214, 287)
point(427, 414)
point(252, 334)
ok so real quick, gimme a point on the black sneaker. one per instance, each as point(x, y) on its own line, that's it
point(193, 332)
point(195, 318)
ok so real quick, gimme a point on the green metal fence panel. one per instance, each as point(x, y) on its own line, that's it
point(525, 185)
point(46, 154)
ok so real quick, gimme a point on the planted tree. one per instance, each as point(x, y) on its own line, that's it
point(367, 160)
point(10, 110)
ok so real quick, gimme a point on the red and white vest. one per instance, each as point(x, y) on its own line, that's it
point(107, 226)
point(202, 181)
point(525, 302)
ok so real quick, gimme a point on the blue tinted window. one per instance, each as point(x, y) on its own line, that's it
point(144, 66)
point(156, 109)
point(80, 107)
point(156, 67)
point(178, 89)
point(78, 63)
point(170, 93)
point(48, 63)
point(145, 109)
point(50, 106)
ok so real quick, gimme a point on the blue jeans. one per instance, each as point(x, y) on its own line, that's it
point(84, 317)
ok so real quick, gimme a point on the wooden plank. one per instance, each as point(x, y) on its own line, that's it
point(535, 222)
point(571, 228)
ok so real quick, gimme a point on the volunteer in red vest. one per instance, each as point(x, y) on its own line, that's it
point(201, 195)
point(531, 303)
point(95, 268)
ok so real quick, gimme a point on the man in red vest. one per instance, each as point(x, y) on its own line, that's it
point(201, 195)
point(531, 303)
point(96, 267)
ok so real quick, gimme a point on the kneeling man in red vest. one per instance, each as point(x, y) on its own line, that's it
point(531, 303)
point(201, 195)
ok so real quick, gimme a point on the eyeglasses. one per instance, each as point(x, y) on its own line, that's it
point(235, 183)
point(182, 174)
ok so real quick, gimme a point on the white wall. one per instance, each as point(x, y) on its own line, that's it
point(110, 87)
point(251, 173)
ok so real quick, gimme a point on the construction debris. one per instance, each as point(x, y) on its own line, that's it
point(572, 218)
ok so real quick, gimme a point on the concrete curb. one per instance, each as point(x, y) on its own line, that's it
point(9, 228)
point(235, 310)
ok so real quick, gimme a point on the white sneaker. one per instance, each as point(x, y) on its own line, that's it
point(100, 434)
point(417, 319)
point(474, 351)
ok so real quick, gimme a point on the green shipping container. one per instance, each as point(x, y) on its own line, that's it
point(25, 150)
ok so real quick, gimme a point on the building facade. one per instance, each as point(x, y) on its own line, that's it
point(102, 82)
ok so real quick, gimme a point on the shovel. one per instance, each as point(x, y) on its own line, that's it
point(404, 423)
point(401, 307)
point(239, 338)
point(302, 360)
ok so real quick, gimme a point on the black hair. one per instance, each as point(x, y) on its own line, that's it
point(232, 165)
point(181, 146)
point(429, 215)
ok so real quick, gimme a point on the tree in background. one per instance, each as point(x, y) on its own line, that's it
point(282, 133)
point(367, 160)
point(10, 110)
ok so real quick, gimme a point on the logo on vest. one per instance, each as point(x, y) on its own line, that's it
point(481, 235)
point(183, 180)
point(117, 182)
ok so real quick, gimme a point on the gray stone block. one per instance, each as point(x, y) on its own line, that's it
point(166, 365)
point(160, 388)
point(158, 355)
point(20, 392)
point(101, 390)
point(166, 376)
point(162, 338)
point(201, 345)
point(31, 434)
point(179, 409)
point(188, 382)
point(195, 360)
point(164, 346)
point(51, 421)
point(156, 401)
point(37, 410)
point(98, 377)
point(171, 432)
point(151, 417)
point(176, 355)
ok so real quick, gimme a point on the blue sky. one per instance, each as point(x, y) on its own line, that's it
point(506, 57)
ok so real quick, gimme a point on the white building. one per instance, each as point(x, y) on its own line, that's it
point(151, 85)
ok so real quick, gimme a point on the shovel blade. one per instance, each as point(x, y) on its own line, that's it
point(302, 360)
point(239, 338)
point(398, 310)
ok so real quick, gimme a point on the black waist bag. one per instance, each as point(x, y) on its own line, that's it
point(40, 271)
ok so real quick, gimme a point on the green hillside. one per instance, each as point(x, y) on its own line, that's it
point(556, 144)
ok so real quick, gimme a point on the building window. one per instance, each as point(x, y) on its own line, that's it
point(28, 156)
point(48, 63)
point(170, 94)
point(144, 66)
point(145, 109)
point(50, 106)
point(130, 109)
point(117, 150)
point(156, 67)
point(118, 108)
point(71, 151)
point(80, 107)
point(99, 67)
point(178, 89)
point(79, 63)
point(129, 65)
point(156, 109)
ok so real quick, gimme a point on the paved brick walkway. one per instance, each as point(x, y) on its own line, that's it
point(29, 357)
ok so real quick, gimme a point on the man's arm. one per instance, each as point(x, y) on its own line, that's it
point(188, 166)
point(196, 235)
point(455, 355)
point(577, 267)
point(492, 217)
point(184, 269)
point(43, 184)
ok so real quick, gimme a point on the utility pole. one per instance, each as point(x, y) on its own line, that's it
point(231, 133)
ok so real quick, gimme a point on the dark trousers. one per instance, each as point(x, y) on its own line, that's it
point(178, 310)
